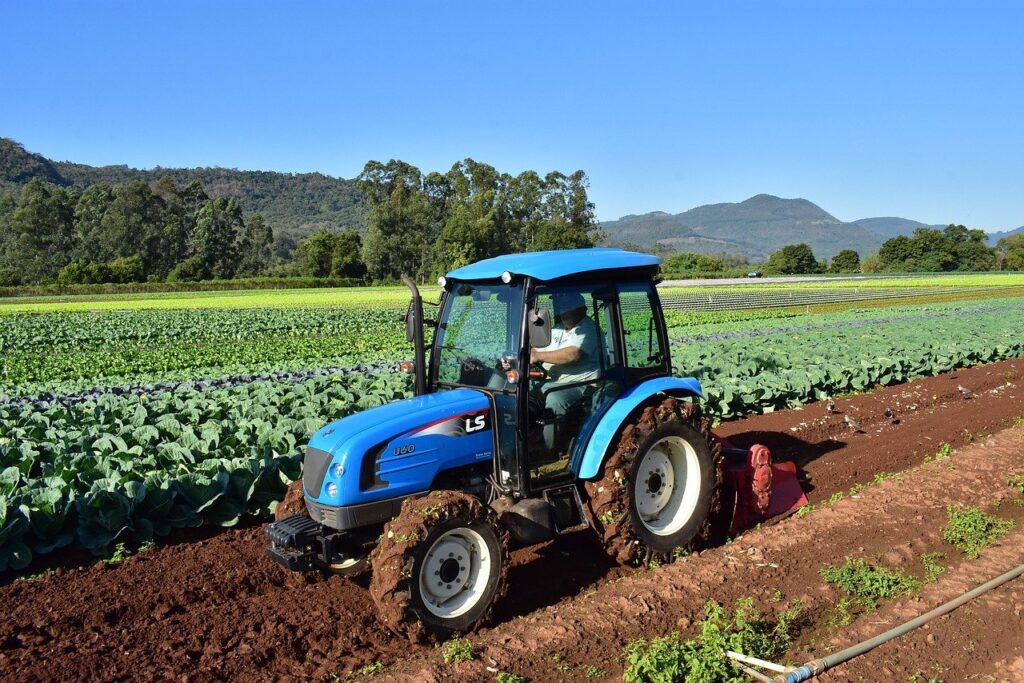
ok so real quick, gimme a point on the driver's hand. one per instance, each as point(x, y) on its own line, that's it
point(533, 356)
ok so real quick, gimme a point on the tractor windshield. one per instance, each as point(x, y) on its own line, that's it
point(480, 324)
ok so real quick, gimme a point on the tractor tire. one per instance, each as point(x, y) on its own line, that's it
point(439, 567)
point(659, 490)
point(293, 503)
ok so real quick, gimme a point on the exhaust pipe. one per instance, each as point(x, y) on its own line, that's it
point(414, 333)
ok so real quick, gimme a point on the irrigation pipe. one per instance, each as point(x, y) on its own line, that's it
point(817, 666)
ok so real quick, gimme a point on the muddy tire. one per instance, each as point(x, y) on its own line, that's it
point(660, 488)
point(293, 503)
point(439, 567)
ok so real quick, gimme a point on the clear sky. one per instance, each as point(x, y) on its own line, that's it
point(912, 109)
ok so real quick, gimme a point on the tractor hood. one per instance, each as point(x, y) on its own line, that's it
point(397, 449)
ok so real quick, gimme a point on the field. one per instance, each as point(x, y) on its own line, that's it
point(130, 419)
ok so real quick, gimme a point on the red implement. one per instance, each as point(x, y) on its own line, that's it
point(759, 488)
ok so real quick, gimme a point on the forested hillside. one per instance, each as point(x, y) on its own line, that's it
point(295, 204)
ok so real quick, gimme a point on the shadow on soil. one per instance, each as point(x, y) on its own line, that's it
point(550, 573)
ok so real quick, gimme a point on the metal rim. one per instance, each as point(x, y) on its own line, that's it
point(667, 485)
point(454, 572)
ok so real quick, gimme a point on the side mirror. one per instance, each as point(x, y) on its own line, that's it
point(540, 328)
point(410, 323)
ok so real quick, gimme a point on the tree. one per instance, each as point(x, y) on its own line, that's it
point(793, 259)
point(569, 214)
point(1012, 249)
point(346, 258)
point(42, 232)
point(256, 248)
point(846, 261)
point(402, 220)
point(686, 262)
point(215, 241)
point(930, 250)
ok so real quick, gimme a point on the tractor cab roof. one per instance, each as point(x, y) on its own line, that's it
point(553, 265)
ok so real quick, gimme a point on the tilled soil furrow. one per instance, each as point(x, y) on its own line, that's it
point(892, 523)
point(219, 609)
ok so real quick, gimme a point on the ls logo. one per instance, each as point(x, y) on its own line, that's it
point(474, 423)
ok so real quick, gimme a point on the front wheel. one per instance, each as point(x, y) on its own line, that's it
point(659, 487)
point(439, 567)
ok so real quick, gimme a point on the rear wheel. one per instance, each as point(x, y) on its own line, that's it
point(659, 488)
point(439, 567)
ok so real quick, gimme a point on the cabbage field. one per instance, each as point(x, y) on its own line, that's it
point(124, 418)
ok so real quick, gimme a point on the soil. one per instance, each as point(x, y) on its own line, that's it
point(217, 608)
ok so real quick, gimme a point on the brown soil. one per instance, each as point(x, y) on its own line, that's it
point(293, 503)
point(219, 609)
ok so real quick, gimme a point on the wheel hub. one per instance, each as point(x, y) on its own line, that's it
point(657, 473)
point(453, 573)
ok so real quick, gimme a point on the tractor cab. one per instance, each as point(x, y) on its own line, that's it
point(552, 345)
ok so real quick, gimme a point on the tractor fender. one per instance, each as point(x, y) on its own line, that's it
point(601, 438)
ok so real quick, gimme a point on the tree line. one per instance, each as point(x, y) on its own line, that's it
point(128, 233)
point(416, 223)
point(955, 248)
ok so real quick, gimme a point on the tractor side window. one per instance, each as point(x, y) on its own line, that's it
point(640, 329)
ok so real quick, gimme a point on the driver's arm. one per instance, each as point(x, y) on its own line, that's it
point(568, 354)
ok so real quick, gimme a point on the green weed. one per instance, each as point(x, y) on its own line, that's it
point(932, 566)
point(120, 554)
point(458, 650)
point(370, 669)
point(858, 578)
point(703, 659)
point(592, 671)
point(970, 530)
point(506, 677)
point(1016, 481)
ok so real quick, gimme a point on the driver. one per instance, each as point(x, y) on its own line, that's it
point(570, 358)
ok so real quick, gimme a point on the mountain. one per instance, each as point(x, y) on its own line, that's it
point(753, 228)
point(890, 226)
point(994, 237)
point(292, 203)
point(18, 166)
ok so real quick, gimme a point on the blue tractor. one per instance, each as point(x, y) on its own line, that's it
point(544, 405)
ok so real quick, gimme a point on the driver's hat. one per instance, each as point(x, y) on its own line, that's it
point(568, 301)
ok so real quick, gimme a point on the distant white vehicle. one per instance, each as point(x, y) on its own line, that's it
point(755, 273)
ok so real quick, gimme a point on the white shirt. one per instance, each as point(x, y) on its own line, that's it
point(584, 337)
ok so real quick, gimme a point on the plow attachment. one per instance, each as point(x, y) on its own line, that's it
point(757, 488)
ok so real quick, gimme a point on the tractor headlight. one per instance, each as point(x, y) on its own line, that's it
point(506, 277)
point(332, 490)
point(337, 470)
point(442, 281)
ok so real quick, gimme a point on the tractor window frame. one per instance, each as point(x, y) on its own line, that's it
point(638, 373)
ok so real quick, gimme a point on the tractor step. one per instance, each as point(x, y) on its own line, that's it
point(566, 508)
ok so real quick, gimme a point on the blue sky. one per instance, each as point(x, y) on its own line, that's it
point(912, 109)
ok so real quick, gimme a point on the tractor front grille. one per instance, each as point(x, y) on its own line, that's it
point(314, 469)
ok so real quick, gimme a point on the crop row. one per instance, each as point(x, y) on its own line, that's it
point(112, 465)
point(130, 466)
